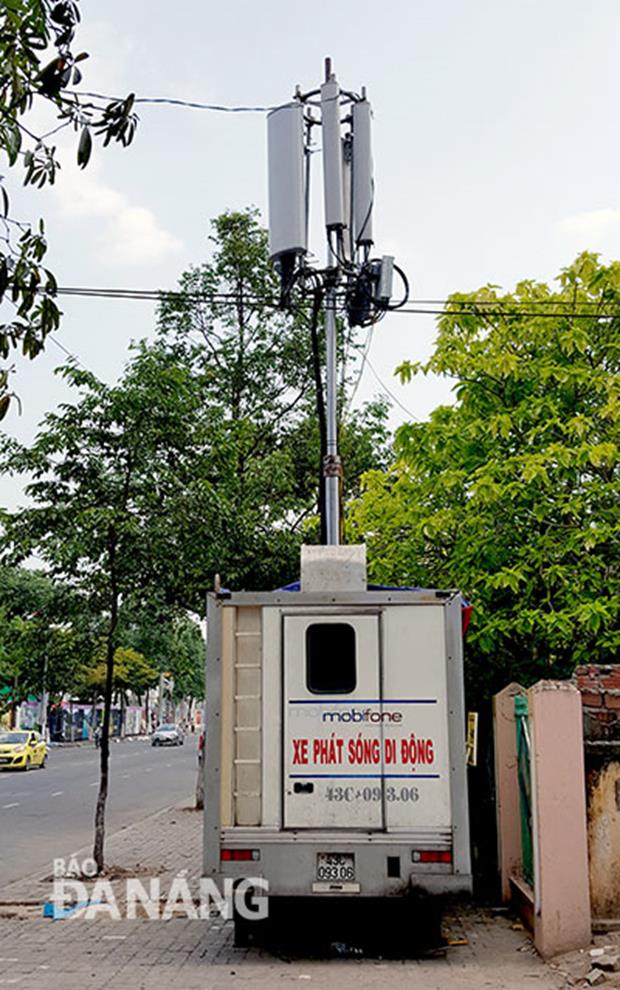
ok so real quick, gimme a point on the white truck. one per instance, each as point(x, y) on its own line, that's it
point(335, 755)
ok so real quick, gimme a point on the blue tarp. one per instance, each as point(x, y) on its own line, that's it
point(467, 608)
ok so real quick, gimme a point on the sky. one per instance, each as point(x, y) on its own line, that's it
point(496, 157)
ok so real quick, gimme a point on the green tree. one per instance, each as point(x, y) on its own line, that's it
point(187, 664)
point(101, 470)
point(513, 493)
point(28, 28)
point(255, 368)
point(171, 640)
point(42, 640)
point(132, 672)
point(140, 492)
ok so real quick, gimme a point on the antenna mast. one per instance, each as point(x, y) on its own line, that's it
point(360, 286)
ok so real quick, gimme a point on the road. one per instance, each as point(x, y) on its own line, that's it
point(49, 813)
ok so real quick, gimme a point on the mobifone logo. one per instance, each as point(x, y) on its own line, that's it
point(362, 715)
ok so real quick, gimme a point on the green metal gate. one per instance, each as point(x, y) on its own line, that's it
point(525, 786)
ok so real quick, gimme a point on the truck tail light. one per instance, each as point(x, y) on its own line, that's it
point(239, 855)
point(432, 856)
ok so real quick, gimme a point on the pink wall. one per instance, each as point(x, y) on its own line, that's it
point(562, 898)
point(559, 906)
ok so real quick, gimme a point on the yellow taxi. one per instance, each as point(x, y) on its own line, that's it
point(21, 749)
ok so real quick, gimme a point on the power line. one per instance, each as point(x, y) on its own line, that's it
point(190, 104)
point(474, 309)
point(156, 295)
point(390, 393)
point(449, 301)
point(360, 374)
point(69, 353)
point(422, 308)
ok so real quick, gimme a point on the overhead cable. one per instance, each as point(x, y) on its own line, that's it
point(190, 104)
point(423, 307)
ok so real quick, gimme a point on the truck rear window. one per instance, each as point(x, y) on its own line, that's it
point(330, 658)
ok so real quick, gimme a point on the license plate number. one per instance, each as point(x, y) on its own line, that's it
point(6, 759)
point(335, 867)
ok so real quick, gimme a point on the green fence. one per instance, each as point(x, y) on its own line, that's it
point(525, 786)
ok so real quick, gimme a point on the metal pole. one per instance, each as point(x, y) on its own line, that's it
point(331, 465)
point(45, 695)
point(160, 712)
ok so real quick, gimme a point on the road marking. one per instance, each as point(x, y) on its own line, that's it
point(125, 775)
point(95, 783)
point(149, 770)
point(57, 793)
point(168, 764)
point(14, 804)
point(118, 937)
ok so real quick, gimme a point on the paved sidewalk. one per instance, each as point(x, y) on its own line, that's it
point(160, 845)
point(186, 954)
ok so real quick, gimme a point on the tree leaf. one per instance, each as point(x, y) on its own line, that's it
point(85, 147)
point(12, 142)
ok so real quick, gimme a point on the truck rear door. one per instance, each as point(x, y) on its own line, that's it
point(333, 732)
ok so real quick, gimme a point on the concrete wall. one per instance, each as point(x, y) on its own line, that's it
point(561, 896)
point(558, 908)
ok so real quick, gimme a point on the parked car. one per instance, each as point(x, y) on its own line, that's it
point(167, 735)
point(22, 749)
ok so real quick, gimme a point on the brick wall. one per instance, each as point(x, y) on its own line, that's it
point(599, 685)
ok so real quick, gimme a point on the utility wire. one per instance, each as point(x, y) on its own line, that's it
point(499, 302)
point(421, 309)
point(475, 309)
point(66, 351)
point(360, 374)
point(390, 393)
point(154, 294)
point(190, 104)
point(195, 105)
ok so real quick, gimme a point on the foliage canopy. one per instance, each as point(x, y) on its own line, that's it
point(512, 494)
point(33, 32)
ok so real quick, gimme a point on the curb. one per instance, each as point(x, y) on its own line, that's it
point(82, 743)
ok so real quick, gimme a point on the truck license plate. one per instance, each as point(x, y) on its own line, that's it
point(337, 867)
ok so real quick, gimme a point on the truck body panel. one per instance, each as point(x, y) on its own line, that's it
point(336, 742)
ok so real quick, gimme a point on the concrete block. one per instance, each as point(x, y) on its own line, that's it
point(333, 568)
